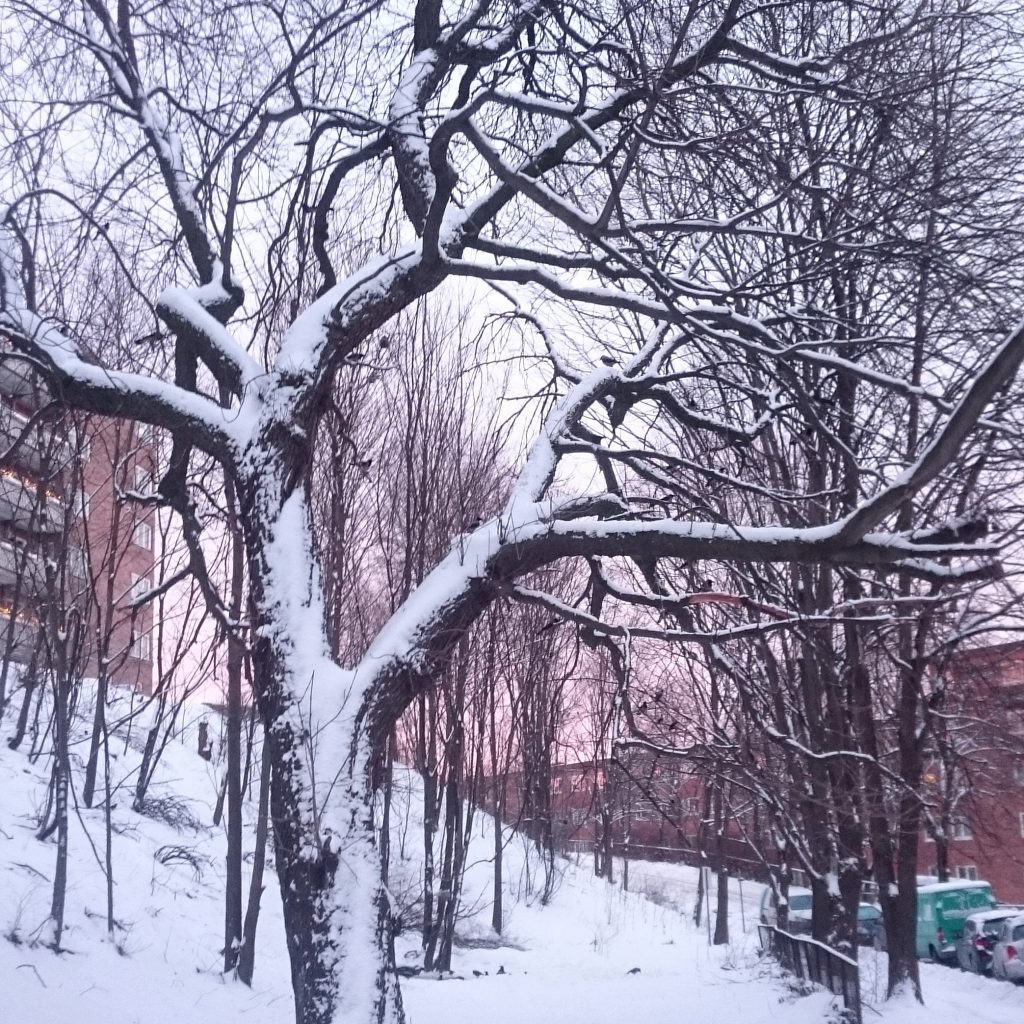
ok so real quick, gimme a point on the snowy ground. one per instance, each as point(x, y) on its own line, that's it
point(567, 963)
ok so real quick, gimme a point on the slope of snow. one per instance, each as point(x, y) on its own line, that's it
point(568, 962)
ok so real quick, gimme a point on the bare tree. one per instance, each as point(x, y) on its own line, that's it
point(518, 140)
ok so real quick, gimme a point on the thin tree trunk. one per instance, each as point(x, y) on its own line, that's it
point(30, 681)
point(721, 936)
point(236, 661)
point(247, 953)
point(108, 830)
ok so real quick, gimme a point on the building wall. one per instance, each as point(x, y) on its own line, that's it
point(987, 839)
point(63, 504)
point(652, 808)
point(118, 534)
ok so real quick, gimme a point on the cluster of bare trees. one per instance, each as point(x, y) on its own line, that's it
point(767, 256)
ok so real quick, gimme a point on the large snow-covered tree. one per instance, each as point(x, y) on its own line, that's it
point(279, 182)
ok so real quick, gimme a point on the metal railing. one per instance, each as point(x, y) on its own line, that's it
point(811, 960)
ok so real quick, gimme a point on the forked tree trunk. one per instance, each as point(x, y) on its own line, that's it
point(336, 912)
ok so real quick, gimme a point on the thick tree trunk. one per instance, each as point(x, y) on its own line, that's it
point(336, 911)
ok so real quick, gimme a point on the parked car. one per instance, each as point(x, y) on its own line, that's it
point(981, 930)
point(1008, 951)
point(942, 909)
point(869, 917)
point(799, 902)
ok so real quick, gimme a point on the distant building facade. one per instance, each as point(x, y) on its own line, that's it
point(976, 792)
point(75, 548)
point(653, 808)
point(636, 806)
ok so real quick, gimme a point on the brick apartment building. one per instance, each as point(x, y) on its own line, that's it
point(652, 808)
point(71, 545)
point(640, 806)
point(978, 795)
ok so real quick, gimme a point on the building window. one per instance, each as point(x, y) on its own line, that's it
point(143, 536)
point(968, 872)
point(1021, 817)
point(961, 829)
point(142, 646)
point(143, 479)
point(140, 586)
point(1018, 773)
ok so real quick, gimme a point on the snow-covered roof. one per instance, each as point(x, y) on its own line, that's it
point(996, 914)
point(952, 886)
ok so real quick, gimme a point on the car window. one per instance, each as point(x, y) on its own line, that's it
point(993, 927)
point(1018, 932)
point(950, 901)
point(802, 902)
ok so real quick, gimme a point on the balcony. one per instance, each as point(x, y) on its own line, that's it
point(22, 633)
point(15, 561)
point(19, 381)
point(36, 449)
point(20, 505)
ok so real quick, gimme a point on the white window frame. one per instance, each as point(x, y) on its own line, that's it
point(968, 872)
point(142, 646)
point(142, 528)
point(140, 586)
point(961, 828)
point(1020, 817)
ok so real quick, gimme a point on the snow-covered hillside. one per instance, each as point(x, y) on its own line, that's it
point(571, 962)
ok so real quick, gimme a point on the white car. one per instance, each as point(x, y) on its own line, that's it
point(1008, 952)
point(799, 901)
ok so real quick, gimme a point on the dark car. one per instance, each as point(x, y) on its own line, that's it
point(981, 930)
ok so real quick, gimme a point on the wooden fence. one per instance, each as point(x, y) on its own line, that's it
point(814, 961)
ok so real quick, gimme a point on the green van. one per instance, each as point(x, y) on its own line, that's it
point(941, 910)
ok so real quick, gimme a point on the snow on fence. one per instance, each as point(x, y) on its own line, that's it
point(811, 960)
